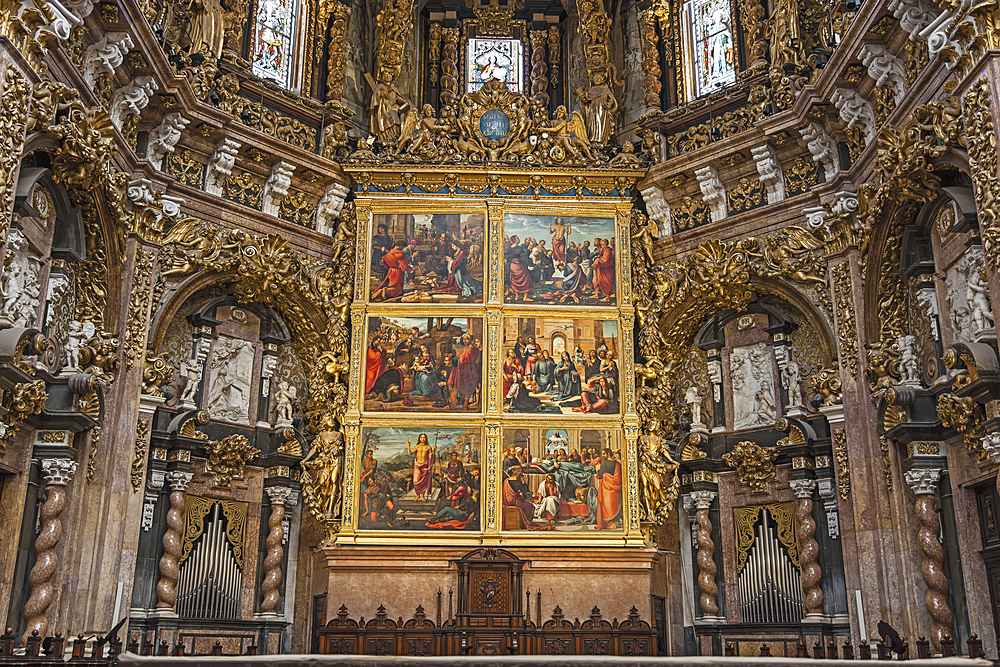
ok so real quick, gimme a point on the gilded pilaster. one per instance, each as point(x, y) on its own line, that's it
point(494, 224)
point(491, 529)
point(352, 455)
point(13, 116)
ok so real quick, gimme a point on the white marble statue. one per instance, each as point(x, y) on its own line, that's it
point(977, 295)
point(75, 339)
point(764, 406)
point(791, 377)
point(19, 285)
point(283, 398)
point(191, 372)
point(693, 398)
point(909, 368)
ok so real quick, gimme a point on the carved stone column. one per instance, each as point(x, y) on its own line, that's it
point(651, 84)
point(271, 586)
point(706, 555)
point(166, 589)
point(56, 475)
point(808, 547)
point(924, 483)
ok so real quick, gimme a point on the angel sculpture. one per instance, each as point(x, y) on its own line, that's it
point(204, 246)
point(418, 134)
point(785, 256)
point(386, 105)
point(569, 134)
point(655, 463)
point(321, 477)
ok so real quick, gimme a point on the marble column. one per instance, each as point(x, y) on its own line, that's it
point(924, 482)
point(706, 555)
point(166, 588)
point(56, 474)
point(271, 586)
point(808, 548)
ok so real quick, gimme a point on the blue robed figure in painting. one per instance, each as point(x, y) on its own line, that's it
point(567, 378)
point(425, 376)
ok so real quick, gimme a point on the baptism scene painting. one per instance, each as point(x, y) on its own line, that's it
point(427, 258)
point(560, 365)
point(422, 478)
point(424, 364)
point(561, 479)
point(559, 260)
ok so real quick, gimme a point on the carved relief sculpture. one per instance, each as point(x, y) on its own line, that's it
point(229, 384)
point(751, 373)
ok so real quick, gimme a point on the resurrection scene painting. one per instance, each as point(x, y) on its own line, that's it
point(427, 258)
point(424, 364)
point(561, 479)
point(422, 478)
point(560, 365)
point(550, 259)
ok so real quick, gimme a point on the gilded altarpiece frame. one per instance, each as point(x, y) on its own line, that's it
point(490, 416)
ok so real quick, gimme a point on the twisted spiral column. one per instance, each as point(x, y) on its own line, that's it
point(166, 588)
point(808, 547)
point(924, 483)
point(271, 586)
point(706, 553)
point(56, 474)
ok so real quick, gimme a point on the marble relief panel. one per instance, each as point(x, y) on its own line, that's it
point(230, 383)
point(751, 372)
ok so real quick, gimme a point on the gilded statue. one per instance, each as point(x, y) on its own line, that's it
point(206, 27)
point(386, 107)
point(321, 478)
point(418, 134)
point(784, 33)
point(655, 463)
point(569, 133)
point(599, 105)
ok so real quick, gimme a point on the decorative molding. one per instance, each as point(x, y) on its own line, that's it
point(856, 112)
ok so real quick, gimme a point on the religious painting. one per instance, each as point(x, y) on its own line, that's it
point(560, 365)
point(427, 258)
point(559, 260)
point(420, 478)
point(424, 364)
point(567, 480)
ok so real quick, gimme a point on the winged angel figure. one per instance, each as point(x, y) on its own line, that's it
point(569, 135)
point(788, 254)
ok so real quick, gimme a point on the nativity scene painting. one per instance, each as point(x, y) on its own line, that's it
point(422, 478)
point(424, 364)
point(560, 365)
point(559, 260)
point(566, 480)
point(427, 258)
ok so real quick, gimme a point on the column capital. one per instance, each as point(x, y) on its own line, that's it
point(802, 488)
point(703, 498)
point(58, 472)
point(923, 481)
point(179, 480)
point(278, 494)
point(991, 445)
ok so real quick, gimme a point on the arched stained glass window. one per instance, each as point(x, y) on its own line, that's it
point(494, 59)
point(274, 40)
point(711, 48)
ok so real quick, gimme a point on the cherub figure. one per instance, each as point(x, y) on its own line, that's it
point(74, 343)
point(284, 396)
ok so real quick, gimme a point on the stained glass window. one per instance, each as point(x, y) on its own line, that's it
point(713, 61)
point(274, 40)
point(494, 59)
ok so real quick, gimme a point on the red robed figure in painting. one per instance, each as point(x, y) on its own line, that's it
point(609, 491)
point(469, 365)
point(374, 365)
point(604, 270)
point(396, 265)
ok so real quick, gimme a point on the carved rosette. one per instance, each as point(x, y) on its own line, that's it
point(57, 473)
point(166, 588)
point(271, 586)
point(923, 482)
point(706, 553)
point(808, 547)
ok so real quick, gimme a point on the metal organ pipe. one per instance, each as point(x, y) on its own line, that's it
point(210, 577)
point(770, 584)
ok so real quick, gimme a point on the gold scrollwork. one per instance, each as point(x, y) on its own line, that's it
point(296, 208)
point(747, 194)
point(242, 189)
point(843, 466)
point(754, 464)
point(227, 457)
point(966, 416)
point(184, 167)
point(139, 454)
point(138, 309)
point(982, 142)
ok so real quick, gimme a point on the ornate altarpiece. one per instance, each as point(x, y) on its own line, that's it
point(493, 192)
